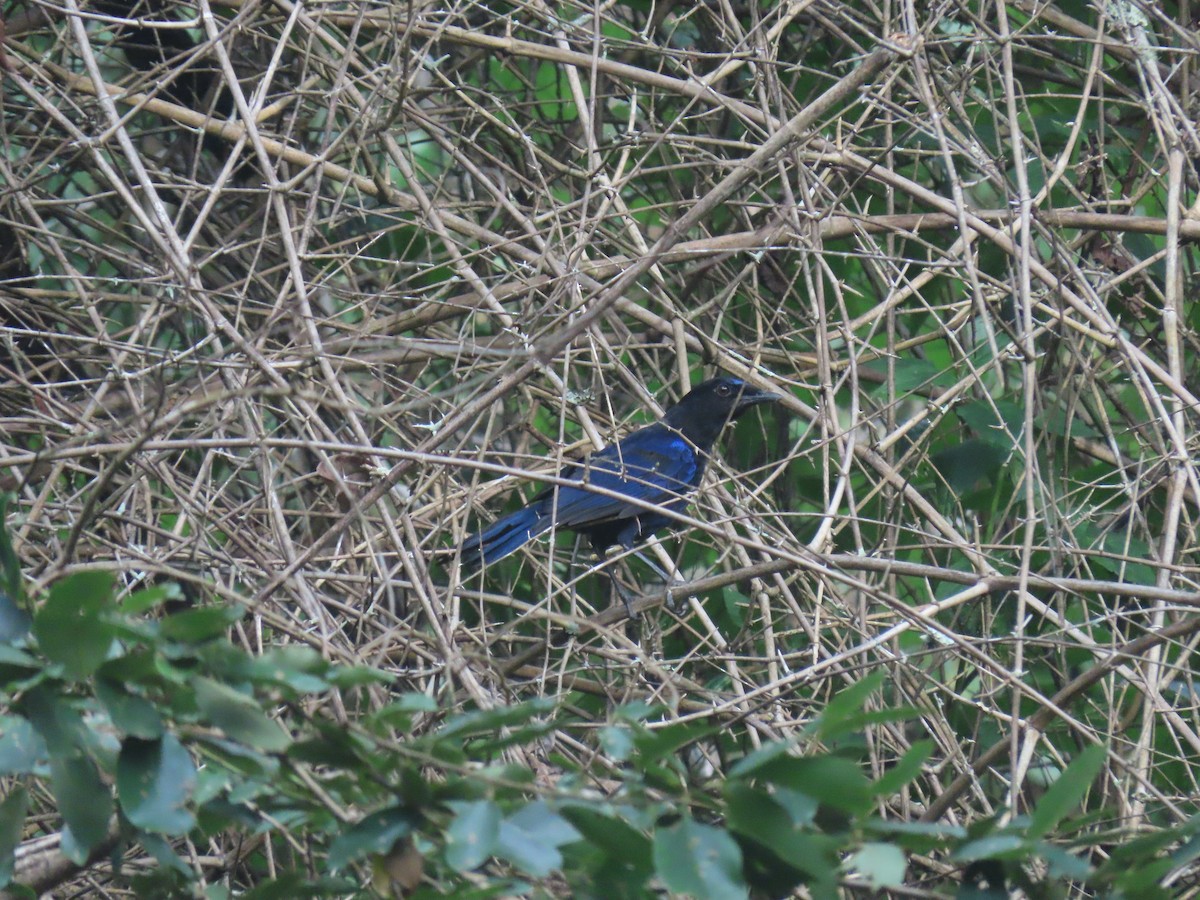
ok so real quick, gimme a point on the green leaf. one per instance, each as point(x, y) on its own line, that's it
point(473, 834)
point(195, 626)
point(1191, 849)
point(293, 658)
point(614, 837)
point(845, 706)
point(398, 714)
point(1066, 793)
point(636, 712)
point(904, 770)
point(617, 742)
point(12, 825)
point(737, 605)
point(331, 746)
point(131, 714)
point(912, 373)
point(761, 758)
point(1143, 880)
point(55, 719)
point(164, 854)
point(859, 722)
point(1065, 423)
point(659, 744)
point(346, 677)
point(21, 747)
point(1061, 864)
point(490, 720)
point(993, 846)
point(998, 423)
point(10, 565)
point(699, 860)
point(298, 668)
point(69, 626)
point(239, 716)
point(148, 598)
point(374, 834)
point(832, 780)
point(967, 464)
point(801, 807)
point(882, 865)
point(14, 621)
point(242, 760)
point(83, 800)
point(18, 668)
point(155, 780)
point(939, 830)
point(530, 839)
point(295, 886)
point(756, 815)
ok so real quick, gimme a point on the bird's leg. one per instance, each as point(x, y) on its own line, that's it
point(610, 556)
point(668, 580)
point(654, 567)
point(633, 622)
point(626, 597)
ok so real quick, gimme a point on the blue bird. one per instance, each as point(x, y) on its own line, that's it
point(656, 466)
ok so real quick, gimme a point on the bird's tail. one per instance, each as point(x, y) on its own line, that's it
point(503, 537)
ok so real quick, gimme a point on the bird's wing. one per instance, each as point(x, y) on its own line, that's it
point(653, 465)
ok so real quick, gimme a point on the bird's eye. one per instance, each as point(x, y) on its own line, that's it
point(724, 390)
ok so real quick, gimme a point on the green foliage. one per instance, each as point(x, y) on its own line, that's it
point(175, 731)
point(214, 345)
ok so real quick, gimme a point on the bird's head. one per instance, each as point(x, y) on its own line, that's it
point(707, 407)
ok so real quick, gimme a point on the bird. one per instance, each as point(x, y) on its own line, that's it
point(659, 465)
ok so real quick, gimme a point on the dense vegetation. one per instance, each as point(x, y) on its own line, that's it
point(293, 296)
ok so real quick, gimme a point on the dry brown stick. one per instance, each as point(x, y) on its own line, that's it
point(548, 348)
point(41, 865)
point(1041, 719)
point(1101, 328)
point(795, 129)
point(848, 562)
point(234, 132)
point(835, 226)
point(511, 46)
point(992, 583)
point(669, 251)
point(830, 227)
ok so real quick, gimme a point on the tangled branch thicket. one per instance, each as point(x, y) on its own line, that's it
point(296, 295)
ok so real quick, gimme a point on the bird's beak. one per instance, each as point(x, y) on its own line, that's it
point(752, 397)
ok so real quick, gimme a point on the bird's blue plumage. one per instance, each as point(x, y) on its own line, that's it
point(616, 489)
point(503, 537)
point(654, 465)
